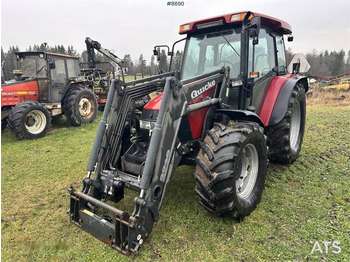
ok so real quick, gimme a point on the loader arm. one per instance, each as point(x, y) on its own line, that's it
point(122, 231)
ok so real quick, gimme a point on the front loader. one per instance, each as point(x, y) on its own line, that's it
point(232, 107)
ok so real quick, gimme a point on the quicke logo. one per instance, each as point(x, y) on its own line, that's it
point(201, 90)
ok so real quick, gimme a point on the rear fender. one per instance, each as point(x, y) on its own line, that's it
point(275, 103)
point(281, 105)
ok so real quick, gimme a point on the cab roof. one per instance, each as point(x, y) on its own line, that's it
point(236, 18)
point(37, 53)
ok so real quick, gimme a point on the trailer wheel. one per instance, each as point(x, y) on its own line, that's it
point(231, 169)
point(285, 138)
point(29, 120)
point(80, 106)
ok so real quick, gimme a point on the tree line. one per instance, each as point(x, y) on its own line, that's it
point(131, 67)
point(323, 64)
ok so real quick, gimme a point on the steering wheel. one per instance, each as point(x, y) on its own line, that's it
point(233, 67)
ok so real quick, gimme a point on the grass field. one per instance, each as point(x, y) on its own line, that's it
point(302, 203)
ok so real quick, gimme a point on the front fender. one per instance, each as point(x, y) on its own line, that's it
point(241, 115)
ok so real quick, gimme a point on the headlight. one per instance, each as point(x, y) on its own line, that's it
point(147, 124)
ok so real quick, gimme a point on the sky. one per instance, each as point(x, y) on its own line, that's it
point(135, 26)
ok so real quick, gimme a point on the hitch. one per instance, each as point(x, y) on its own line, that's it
point(121, 231)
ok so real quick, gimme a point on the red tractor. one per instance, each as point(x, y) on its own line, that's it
point(230, 109)
point(45, 87)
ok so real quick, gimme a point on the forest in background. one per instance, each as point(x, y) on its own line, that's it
point(132, 66)
point(324, 64)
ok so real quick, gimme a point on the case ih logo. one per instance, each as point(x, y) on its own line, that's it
point(201, 90)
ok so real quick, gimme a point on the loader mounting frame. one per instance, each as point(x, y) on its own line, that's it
point(122, 231)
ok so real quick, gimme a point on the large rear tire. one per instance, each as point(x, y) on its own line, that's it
point(285, 138)
point(29, 120)
point(80, 106)
point(231, 169)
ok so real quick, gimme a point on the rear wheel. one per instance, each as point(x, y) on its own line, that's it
point(80, 106)
point(29, 120)
point(231, 169)
point(285, 138)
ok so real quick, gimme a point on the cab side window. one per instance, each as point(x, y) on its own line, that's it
point(58, 75)
point(264, 55)
point(73, 68)
point(281, 55)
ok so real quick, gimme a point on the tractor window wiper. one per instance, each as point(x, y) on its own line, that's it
point(228, 43)
point(38, 71)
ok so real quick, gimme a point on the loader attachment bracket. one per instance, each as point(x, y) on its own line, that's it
point(121, 231)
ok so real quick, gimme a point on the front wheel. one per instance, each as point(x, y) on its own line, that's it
point(80, 106)
point(29, 120)
point(285, 138)
point(3, 123)
point(231, 169)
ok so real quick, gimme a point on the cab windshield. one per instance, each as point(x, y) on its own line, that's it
point(208, 52)
point(33, 66)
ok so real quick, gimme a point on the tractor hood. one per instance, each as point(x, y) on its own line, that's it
point(18, 91)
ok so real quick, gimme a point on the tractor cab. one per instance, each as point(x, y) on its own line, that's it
point(53, 72)
point(251, 45)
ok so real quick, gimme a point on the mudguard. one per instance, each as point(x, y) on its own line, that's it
point(281, 104)
point(241, 115)
point(275, 104)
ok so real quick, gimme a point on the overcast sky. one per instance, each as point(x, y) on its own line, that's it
point(135, 26)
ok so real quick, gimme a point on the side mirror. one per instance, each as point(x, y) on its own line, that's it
point(156, 52)
point(254, 29)
point(52, 65)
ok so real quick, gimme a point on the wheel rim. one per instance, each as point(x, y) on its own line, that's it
point(86, 107)
point(249, 171)
point(35, 121)
point(295, 126)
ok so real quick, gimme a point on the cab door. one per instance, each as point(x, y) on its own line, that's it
point(59, 79)
point(264, 66)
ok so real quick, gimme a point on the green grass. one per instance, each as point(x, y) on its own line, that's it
point(302, 203)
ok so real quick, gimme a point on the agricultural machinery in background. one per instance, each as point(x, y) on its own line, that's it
point(46, 85)
point(230, 109)
point(99, 74)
